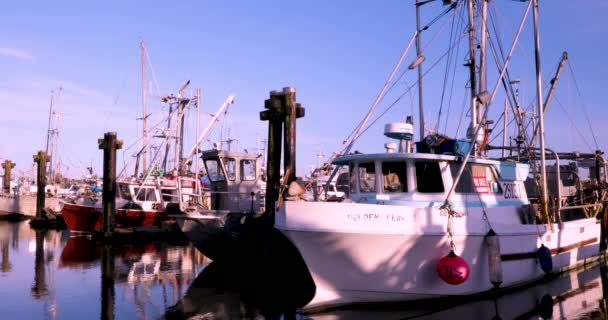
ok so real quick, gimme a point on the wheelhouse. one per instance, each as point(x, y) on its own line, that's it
point(382, 178)
point(234, 177)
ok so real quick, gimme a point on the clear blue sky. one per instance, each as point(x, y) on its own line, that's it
point(336, 53)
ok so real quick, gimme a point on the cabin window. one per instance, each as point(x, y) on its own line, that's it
point(428, 177)
point(342, 183)
point(169, 195)
point(214, 170)
point(123, 192)
point(248, 170)
point(145, 194)
point(367, 177)
point(230, 168)
point(476, 178)
point(394, 176)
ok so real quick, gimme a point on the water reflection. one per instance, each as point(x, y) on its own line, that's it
point(50, 275)
point(39, 289)
point(88, 280)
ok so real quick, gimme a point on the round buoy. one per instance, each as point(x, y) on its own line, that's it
point(544, 258)
point(453, 269)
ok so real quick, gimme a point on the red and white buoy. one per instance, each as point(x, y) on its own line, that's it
point(453, 269)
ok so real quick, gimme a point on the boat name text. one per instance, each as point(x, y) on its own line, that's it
point(372, 217)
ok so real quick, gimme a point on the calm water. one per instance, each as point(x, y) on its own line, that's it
point(50, 275)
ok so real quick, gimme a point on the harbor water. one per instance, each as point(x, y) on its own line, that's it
point(55, 275)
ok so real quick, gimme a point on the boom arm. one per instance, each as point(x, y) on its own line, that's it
point(223, 108)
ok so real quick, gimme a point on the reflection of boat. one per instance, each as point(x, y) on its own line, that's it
point(79, 252)
point(569, 296)
point(273, 281)
point(218, 293)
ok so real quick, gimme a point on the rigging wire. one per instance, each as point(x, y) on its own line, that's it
point(426, 27)
point(459, 26)
point(578, 90)
point(446, 74)
point(407, 90)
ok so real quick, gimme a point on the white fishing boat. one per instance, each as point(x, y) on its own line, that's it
point(406, 211)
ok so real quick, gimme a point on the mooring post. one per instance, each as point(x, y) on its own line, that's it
point(293, 111)
point(274, 115)
point(41, 159)
point(7, 165)
point(109, 144)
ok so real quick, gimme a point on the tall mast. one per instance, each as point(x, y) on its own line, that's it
point(482, 53)
point(143, 106)
point(541, 117)
point(472, 64)
point(48, 132)
point(418, 51)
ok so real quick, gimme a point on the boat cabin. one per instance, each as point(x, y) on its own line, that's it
point(235, 180)
point(392, 178)
point(145, 196)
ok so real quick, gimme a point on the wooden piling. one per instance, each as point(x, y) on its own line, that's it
point(292, 111)
point(7, 165)
point(109, 144)
point(41, 158)
point(274, 115)
point(281, 116)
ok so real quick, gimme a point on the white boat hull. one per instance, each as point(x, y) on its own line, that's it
point(394, 254)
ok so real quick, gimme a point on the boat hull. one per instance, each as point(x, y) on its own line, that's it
point(216, 235)
point(81, 218)
point(363, 262)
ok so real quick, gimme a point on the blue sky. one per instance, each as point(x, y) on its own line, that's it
point(337, 54)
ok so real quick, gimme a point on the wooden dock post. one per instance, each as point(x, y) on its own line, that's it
point(292, 111)
point(7, 165)
point(274, 115)
point(109, 144)
point(41, 159)
point(281, 114)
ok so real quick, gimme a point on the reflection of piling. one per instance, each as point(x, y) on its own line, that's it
point(107, 283)
point(6, 261)
point(40, 289)
point(109, 144)
point(281, 114)
point(41, 159)
point(7, 165)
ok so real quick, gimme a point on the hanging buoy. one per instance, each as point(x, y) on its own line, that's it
point(494, 260)
point(544, 258)
point(453, 269)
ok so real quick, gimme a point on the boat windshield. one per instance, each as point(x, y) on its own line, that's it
point(214, 170)
point(123, 191)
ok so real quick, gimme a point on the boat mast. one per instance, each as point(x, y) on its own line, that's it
point(541, 118)
point(418, 52)
point(472, 64)
point(482, 56)
point(48, 132)
point(143, 106)
point(198, 121)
